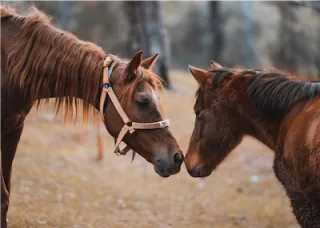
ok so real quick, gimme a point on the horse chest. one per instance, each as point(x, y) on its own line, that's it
point(284, 175)
point(14, 121)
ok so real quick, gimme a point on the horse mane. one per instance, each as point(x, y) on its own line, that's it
point(7, 11)
point(272, 91)
point(42, 51)
point(276, 93)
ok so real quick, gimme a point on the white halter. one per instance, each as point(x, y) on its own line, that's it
point(129, 126)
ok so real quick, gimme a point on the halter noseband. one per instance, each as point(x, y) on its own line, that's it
point(129, 126)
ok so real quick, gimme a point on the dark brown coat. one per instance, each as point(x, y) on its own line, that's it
point(279, 110)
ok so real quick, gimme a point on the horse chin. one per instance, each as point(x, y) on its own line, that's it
point(205, 173)
point(162, 172)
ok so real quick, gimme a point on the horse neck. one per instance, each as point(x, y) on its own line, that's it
point(263, 128)
point(253, 122)
point(269, 128)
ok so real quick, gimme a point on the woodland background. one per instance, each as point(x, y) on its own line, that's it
point(285, 35)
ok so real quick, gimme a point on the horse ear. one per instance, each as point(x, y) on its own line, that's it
point(200, 75)
point(135, 62)
point(148, 62)
point(215, 64)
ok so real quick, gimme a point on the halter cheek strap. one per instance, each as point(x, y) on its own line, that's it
point(129, 126)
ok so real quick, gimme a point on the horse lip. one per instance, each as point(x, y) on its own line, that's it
point(163, 172)
point(195, 171)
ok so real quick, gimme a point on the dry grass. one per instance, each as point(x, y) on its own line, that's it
point(57, 182)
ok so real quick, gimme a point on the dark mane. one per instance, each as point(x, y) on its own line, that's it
point(221, 74)
point(271, 90)
point(42, 51)
point(277, 93)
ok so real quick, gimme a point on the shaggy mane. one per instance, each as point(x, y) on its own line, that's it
point(7, 11)
point(46, 58)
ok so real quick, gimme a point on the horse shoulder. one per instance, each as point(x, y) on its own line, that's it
point(313, 134)
point(302, 144)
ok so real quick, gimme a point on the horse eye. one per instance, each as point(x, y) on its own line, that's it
point(131, 77)
point(143, 102)
point(197, 112)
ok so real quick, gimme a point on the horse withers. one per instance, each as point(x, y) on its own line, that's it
point(39, 61)
point(281, 111)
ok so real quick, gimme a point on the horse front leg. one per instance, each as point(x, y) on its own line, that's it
point(305, 206)
point(306, 210)
point(9, 143)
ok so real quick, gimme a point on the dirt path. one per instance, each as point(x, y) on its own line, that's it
point(57, 182)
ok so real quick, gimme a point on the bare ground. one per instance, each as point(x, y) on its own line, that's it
point(58, 183)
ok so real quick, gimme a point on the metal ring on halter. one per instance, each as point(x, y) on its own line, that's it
point(106, 85)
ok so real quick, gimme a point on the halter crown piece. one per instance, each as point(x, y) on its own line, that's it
point(129, 126)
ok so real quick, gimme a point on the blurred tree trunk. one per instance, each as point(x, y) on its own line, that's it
point(216, 29)
point(91, 21)
point(147, 32)
point(66, 8)
point(288, 51)
point(247, 48)
point(307, 53)
point(318, 56)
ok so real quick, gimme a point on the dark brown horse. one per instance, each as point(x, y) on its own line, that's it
point(283, 112)
point(39, 61)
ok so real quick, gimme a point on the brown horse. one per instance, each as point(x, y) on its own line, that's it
point(39, 61)
point(283, 112)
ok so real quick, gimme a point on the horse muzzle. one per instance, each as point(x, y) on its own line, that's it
point(168, 166)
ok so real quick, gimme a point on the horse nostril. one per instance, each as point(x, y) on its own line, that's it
point(177, 159)
point(195, 172)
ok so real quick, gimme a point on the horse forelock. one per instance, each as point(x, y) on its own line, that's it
point(144, 76)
